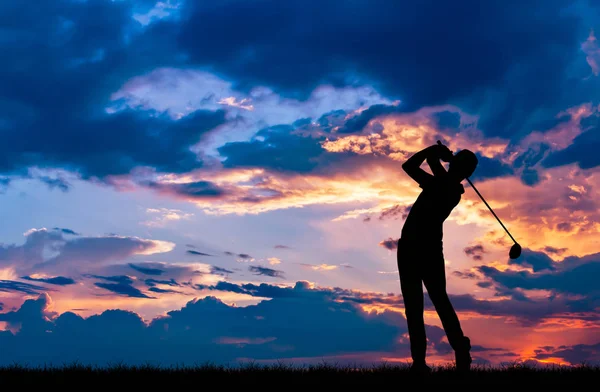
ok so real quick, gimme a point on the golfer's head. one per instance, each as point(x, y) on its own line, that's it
point(463, 164)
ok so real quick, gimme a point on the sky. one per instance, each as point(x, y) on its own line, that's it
point(186, 181)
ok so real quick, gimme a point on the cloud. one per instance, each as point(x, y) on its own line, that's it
point(575, 354)
point(147, 270)
point(56, 280)
point(301, 327)
point(20, 287)
point(528, 313)
point(320, 267)
point(123, 289)
point(219, 270)
point(31, 257)
point(592, 51)
point(82, 64)
point(122, 279)
point(276, 148)
point(66, 231)
point(52, 183)
point(162, 291)
point(395, 212)
point(154, 282)
point(199, 190)
point(274, 260)
point(257, 270)
point(465, 275)
point(150, 106)
point(165, 215)
point(581, 151)
point(553, 250)
point(196, 253)
point(32, 318)
point(537, 261)
point(475, 251)
point(572, 276)
point(281, 247)
point(389, 243)
point(503, 80)
point(181, 91)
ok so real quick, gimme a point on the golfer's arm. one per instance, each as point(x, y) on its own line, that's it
point(412, 166)
point(436, 166)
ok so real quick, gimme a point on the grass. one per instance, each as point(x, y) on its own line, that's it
point(286, 376)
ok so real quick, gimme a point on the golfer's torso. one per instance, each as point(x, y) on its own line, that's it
point(427, 215)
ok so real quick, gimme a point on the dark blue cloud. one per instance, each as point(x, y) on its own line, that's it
point(573, 275)
point(204, 330)
point(31, 318)
point(583, 151)
point(154, 282)
point(490, 168)
point(197, 253)
point(190, 190)
point(389, 243)
point(576, 354)
point(526, 312)
point(123, 289)
point(529, 313)
point(56, 280)
point(58, 183)
point(146, 270)
point(475, 251)
point(274, 148)
point(66, 231)
point(12, 286)
point(56, 78)
point(162, 291)
point(517, 66)
point(53, 97)
point(265, 290)
point(219, 270)
point(297, 149)
point(122, 279)
point(357, 123)
point(538, 261)
point(264, 271)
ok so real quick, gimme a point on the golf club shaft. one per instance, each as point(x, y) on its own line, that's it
point(492, 211)
point(487, 205)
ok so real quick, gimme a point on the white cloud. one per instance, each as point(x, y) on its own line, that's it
point(160, 10)
point(162, 216)
point(592, 51)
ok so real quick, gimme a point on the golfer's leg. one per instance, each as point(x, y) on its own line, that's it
point(412, 293)
point(434, 279)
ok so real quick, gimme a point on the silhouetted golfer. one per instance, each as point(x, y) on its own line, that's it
point(420, 252)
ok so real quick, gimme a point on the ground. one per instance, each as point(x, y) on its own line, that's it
point(284, 376)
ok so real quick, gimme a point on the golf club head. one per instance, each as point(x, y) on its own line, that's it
point(515, 251)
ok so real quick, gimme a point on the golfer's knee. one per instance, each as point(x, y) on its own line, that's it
point(439, 297)
point(413, 312)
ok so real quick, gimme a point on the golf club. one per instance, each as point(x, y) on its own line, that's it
point(515, 250)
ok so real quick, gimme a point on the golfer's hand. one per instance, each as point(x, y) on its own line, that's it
point(442, 152)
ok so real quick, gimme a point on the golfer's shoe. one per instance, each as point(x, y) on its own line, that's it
point(463, 356)
point(420, 368)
